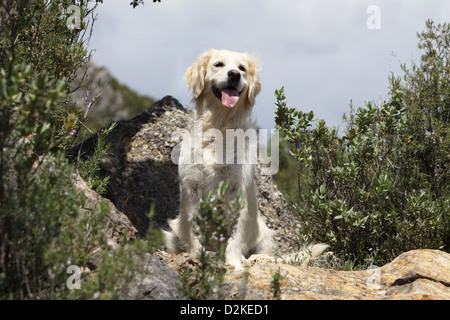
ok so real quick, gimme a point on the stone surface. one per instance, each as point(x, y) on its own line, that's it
point(414, 275)
point(139, 164)
point(118, 222)
point(157, 282)
point(417, 274)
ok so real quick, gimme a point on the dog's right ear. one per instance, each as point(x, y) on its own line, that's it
point(195, 74)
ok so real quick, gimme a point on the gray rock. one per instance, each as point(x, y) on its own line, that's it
point(156, 282)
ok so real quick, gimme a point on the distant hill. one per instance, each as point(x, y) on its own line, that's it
point(115, 101)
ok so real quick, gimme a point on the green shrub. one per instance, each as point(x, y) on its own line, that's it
point(45, 226)
point(382, 187)
point(277, 278)
point(90, 169)
point(213, 225)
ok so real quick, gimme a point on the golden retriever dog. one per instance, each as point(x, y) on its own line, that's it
point(225, 85)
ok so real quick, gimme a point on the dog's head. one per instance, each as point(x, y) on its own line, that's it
point(231, 77)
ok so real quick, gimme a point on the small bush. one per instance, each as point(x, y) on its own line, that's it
point(213, 225)
point(45, 227)
point(382, 187)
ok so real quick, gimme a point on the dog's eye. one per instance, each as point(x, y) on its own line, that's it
point(219, 64)
point(242, 68)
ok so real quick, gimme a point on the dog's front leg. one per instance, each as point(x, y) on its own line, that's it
point(251, 233)
point(244, 237)
point(234, 253)
point(188, 209)
point(181, 238)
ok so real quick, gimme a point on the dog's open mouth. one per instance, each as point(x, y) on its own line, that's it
point(229, 96)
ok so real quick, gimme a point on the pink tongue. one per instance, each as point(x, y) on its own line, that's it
point(230, 97)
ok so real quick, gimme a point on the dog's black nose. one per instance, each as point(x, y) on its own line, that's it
point(234, 75)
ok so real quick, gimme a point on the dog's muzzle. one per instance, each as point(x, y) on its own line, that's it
point(229, 95)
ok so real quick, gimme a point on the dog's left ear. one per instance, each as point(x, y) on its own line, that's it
point(195, 74)
point(254, 85)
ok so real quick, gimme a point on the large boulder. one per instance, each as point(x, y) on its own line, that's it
point(414, 275)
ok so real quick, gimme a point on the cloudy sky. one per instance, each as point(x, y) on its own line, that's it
point(324, 52)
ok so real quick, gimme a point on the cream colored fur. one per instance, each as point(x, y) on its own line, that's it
point(209, 73)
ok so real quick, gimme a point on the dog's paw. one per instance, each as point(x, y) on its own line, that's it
point(236, 263)
point(236, 266)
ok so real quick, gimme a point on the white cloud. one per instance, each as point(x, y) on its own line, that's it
point(320, 50)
